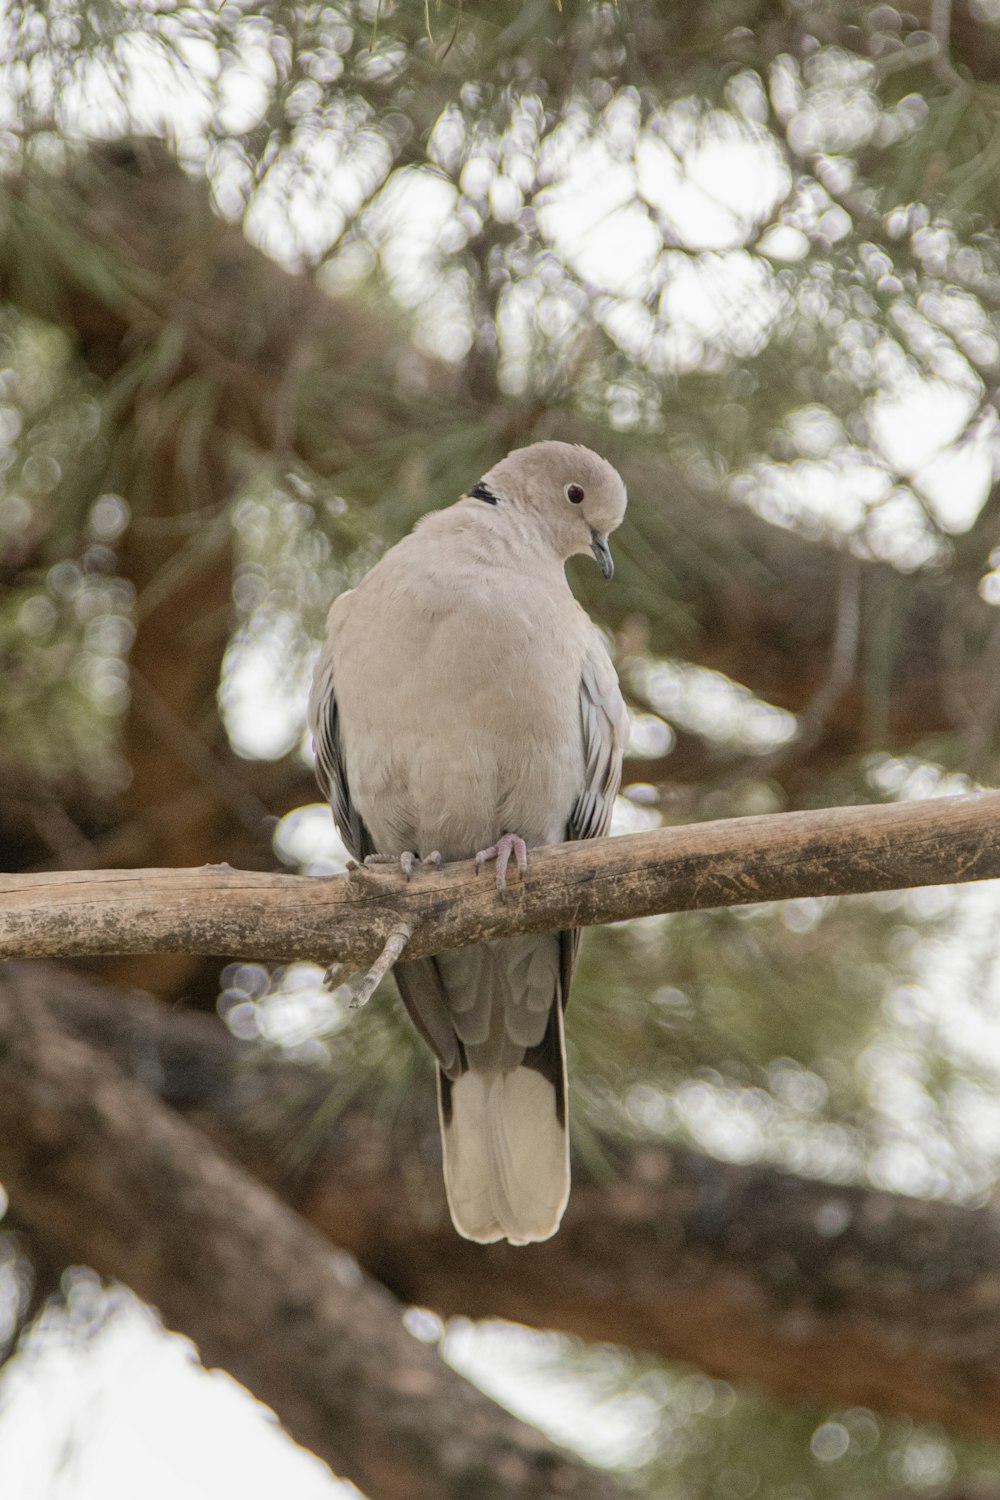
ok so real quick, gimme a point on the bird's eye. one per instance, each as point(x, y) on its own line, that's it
point(574, 494)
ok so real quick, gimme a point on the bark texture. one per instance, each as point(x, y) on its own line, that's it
point(733, 862)
point(811, 1290)
point(100, 1168)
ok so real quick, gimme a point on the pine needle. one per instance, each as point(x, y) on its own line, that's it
point(454, 34)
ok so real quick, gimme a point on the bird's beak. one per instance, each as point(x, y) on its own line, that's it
point(599, 547)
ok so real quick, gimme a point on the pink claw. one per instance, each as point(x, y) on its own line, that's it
point(501, 851)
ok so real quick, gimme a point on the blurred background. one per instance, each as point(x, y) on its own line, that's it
point(278, 278)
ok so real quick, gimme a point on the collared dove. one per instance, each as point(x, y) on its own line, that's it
point(464, 704)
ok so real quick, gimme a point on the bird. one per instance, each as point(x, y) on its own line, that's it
point(464, 705)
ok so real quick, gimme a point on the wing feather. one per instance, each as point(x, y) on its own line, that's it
point(604, 719)
point(331, 766)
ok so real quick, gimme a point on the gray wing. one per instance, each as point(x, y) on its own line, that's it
point(604, 719)
point(331, 767)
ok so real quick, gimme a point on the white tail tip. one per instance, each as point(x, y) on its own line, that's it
point(506, 1156)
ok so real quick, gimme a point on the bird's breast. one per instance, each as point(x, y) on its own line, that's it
point(461, 721)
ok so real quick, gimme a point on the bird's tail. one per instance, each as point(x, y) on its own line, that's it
point(506, 1145)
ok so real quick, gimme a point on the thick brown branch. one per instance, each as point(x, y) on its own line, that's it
point(808, 1289)
point(96, 1164)
point(734, 862)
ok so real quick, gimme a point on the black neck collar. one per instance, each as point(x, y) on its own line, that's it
point(482, 491)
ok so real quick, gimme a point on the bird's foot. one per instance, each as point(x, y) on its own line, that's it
point(501, 851)
point(407, 861)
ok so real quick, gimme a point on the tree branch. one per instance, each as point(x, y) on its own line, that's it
point(734, 862)
point(95, 1164)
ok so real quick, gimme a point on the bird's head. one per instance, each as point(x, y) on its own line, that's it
point(573, 496)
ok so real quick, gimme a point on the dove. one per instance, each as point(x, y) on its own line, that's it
point(464, 705)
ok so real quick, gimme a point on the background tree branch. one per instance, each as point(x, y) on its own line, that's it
point(97, 1166)
point(808, 1289)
